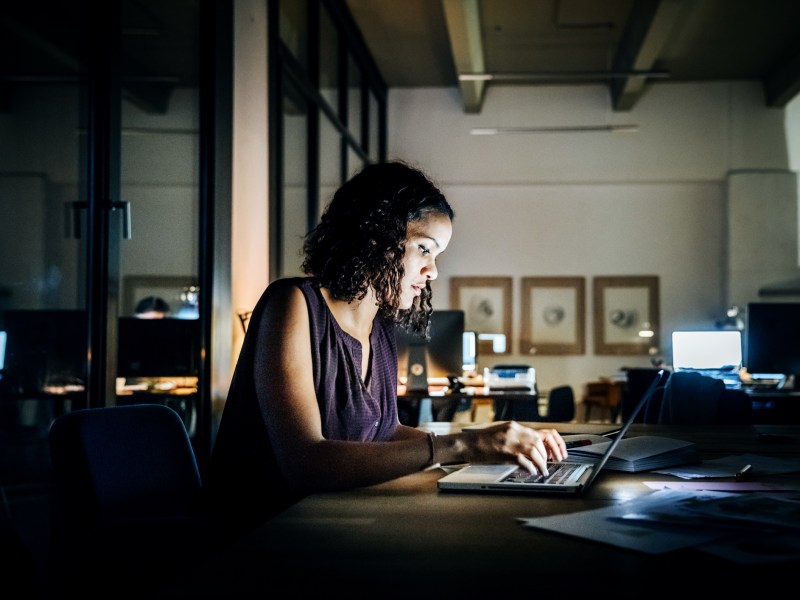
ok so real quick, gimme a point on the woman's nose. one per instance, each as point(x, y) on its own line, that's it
point(430, 270)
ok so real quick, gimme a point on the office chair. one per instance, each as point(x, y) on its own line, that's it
point(692, 398)
point(638, 380)
point(560, 404)
point(128, 508)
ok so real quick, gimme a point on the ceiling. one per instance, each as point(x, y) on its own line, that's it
point(628, 45)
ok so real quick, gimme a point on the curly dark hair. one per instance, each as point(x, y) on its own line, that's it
point(360, 240)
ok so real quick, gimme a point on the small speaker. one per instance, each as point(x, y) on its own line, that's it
point(417, 369)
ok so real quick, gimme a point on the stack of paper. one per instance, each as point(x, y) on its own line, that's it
point(641, 453)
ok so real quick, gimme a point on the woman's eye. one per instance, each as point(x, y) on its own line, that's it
point(424, 249)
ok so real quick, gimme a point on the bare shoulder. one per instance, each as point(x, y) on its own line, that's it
point(286, 303)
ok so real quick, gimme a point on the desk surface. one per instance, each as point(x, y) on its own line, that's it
point(405, 539)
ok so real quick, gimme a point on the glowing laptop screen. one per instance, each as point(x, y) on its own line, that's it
point(718, 350)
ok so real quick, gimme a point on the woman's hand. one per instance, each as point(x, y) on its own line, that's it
point(511, 442)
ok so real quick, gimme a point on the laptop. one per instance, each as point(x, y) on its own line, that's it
point(718, 351)
point(716, 354)
point(564, 477)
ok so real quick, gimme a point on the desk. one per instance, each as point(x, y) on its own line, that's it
point(521, 406)
point(178, 393)
point(404, 539)
point(775, 406)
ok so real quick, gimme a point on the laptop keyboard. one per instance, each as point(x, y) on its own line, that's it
point(559, 472)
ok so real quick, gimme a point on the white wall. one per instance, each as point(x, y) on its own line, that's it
point(589, 204)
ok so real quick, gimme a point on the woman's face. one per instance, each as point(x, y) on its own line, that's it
point(427, 238)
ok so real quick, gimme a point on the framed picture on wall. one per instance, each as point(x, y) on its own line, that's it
point(486, 302)
point(625, 310)
point(553, 315)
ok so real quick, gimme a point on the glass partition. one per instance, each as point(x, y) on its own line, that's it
point(319, 116)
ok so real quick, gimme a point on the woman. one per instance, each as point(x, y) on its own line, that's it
point(313, 402)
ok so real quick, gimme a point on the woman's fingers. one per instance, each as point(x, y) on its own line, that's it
point(548, 442)
point(531, 448)
point(527, 464)
point(555, 443)
point(537, 459)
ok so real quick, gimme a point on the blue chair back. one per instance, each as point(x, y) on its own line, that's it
point(560, 404)
point(693, 398)
point(135, 461)
point(128, 501)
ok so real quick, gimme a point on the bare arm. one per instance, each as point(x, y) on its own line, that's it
point(311, 463)
point(308, 461)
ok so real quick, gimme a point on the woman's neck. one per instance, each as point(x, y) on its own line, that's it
point(354, 317)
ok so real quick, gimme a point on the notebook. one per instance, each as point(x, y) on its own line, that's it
point(563, 478)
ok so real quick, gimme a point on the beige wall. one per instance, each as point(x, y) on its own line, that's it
point(250, 255)
point(590, 204)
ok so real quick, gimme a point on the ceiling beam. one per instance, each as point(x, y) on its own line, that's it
point(648, 28)
point(466, 44)
point(782, 84)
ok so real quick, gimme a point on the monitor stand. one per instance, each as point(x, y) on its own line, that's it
point(417, 380)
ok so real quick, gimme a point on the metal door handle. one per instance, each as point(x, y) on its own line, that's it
point(124, 206)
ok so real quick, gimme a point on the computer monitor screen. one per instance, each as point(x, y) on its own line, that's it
point(441, 356)
point(2, 350)
point(45, 350)
point(707, 350)
point(158, 347)
point(773, 338)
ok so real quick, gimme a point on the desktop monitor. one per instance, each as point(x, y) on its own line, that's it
point(718, 350)
point(45, 349)
point(420, 363)
point(158, 347)
point(773, 339)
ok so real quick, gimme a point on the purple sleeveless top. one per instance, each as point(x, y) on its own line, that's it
point(245, 485)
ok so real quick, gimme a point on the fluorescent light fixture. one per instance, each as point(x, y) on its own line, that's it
point(560, 76)
point(556, 129)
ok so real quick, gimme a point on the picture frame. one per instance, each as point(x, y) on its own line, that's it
point(167, 287)
point(624, 306)
point(553, 315)
point(486, 302)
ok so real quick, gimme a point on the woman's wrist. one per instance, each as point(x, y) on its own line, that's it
point(432, 462)
point(448, 449)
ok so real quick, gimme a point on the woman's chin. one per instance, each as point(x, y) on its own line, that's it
point(406, 303)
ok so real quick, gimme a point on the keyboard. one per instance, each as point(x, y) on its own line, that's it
point(559, 472)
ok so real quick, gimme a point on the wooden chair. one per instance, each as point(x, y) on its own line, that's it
point(604, 395)
point(482, 410)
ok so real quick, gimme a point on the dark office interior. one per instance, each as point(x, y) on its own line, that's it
point(116, 185)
